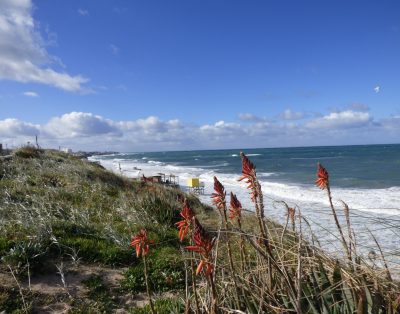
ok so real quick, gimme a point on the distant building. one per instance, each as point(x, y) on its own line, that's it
point(1, 148)
point(67, 150)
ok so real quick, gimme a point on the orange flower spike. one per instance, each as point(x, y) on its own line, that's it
point(322, 177)
point(219, 195)
point(249, 174)
point(188, 215)
point(203, 245)
point(199, 267)
point(235, 209)
point(248, 168)
point(141, 243)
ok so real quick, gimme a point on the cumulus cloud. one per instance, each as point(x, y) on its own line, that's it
point(377, 89)
point(23, 56)
point(89, 131)
point(13, 128)
point(30, 94)
point(76, 124)
point(343, 119)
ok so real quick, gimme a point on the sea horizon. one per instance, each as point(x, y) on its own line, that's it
point(363, 176)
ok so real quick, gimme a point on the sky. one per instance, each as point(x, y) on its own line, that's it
point(188, 74)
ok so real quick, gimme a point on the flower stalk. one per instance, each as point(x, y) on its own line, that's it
point(322, 182)
point(141, 243)
point(219, 199)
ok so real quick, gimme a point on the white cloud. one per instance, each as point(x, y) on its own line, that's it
point(377, 89)
point(83, 12)
point(88, 131)
point(392, 123)
point(76, 124)
point(23, 56)
point(13, 128)
point(343, 119)
point(30, 94)
point(292, 115)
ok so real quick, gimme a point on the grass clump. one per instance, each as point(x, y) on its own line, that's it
point(11, 303)
point(66, 206)
point(57, 208)
point(28, 152)
point(99, 293)
point(162, 306)
point(166, 272)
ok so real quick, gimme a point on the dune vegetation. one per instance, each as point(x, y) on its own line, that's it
point(76, 238)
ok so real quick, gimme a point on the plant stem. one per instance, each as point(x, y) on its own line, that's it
point(233, 273)
point(153, 311)
point(194, 284)
point(214, 307)
point(344, 243)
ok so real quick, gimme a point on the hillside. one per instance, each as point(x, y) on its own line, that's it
point(65, 231)
point(66, 227)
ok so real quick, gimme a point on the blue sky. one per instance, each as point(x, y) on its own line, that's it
point(156, 75)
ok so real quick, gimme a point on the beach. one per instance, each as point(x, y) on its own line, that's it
point(372, 193)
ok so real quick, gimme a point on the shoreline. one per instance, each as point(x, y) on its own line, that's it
point(318, 213)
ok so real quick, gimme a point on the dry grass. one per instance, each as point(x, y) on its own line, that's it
point(58, 213)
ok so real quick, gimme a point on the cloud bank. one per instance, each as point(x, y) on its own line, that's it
point(88, 131)
point(23, 57)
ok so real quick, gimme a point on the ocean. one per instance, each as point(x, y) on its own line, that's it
point(366, 177)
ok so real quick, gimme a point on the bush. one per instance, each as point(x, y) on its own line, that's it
point(162, 306)
point(91, 246)
point(26, 254)
point(28, 152)
point(166, 272)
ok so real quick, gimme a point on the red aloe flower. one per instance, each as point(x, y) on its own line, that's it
point(203, 245)
point(235, 209)
point(249, 174)
point(188, 217)
point(141, 243)
point(219, 195)
point(322, 177)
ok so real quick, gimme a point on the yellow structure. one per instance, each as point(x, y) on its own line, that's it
point(193, 182)
point(195, 186)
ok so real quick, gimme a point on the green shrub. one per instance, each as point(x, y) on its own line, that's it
point(11, 302)
point(24, 255)
point(5, 246)
point(28, 152)
point(159, 209)
point(162, 306)
point(166, 272)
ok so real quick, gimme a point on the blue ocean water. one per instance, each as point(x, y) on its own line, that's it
point(366, 166)
point(366, 177)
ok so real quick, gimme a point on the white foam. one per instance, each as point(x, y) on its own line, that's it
point(367, 206)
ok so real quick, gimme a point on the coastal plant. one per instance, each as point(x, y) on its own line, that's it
point(235, 214)
point(219, 200)
point(203, 244)
point(187, 226)
point(322, 182)
point(142, 243)
point(287, 273)
point(58, 211)
point(249, 175)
